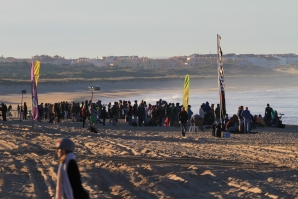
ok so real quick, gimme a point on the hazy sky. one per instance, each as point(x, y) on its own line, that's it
point(154, 28)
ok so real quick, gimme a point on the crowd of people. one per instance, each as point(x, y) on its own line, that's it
point(161, 113)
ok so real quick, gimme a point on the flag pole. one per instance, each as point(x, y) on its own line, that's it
point(218, 76)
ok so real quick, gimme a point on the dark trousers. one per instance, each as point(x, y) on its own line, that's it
point(183, 128)
point(103, 121)
point(84, 121)
point(4, 116)
point(140, 120)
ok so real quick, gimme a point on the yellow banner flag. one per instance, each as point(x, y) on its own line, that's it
point(186, 92)
point(36, 71)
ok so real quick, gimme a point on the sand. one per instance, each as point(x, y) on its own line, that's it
point(150, 162)
point(146, 162)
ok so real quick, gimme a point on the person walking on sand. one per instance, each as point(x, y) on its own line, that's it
point(183, 116)
point(69, 184)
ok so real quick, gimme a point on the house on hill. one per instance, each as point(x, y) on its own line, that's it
point(131, 63)
point(197, 61)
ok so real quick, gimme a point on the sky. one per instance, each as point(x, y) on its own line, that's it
point(152, 28)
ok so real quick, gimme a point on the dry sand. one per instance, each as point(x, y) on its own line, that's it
point(150, 162)
point(146, 162)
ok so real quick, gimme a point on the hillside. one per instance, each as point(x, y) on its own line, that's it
point(19, 72)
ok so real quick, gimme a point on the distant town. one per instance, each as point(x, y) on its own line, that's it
point(262, 60)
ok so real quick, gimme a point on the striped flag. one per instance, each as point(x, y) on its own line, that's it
point(221, 79)
point(36, 71)
point(186, 92)
point(34, 95)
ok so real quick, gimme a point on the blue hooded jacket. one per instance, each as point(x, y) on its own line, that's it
point(207, 108)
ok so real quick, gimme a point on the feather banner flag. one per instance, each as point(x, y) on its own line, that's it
point(36, 71)
point(34, 95)
point(221, 79)
point(186, 92)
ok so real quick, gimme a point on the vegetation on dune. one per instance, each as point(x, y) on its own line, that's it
point(19, 72)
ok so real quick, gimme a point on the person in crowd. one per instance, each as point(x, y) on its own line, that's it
point(196, 120)
point(129, 113)
point(207, 110)
point(92, 115)
point(51, 113)
point(172, 114)
point(135, 112)
point(104, 115)
point(25, 111)
point(3, 111)
point(18, 110)
point(268, 111)
point(246, 120)
point(201, 112)
point(183, 116)
point(230, 125)
point(190, 113)
point(66, 110)
point(69, 184)
point(217, 113)
point(240, 118)
point(99, 110)
point(162, 114)
point(84, 115)
point(212, 114)
point(141, 113)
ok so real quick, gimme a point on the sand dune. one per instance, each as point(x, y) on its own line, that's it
point(150, 162)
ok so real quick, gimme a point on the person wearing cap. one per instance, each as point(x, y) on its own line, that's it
point(246, 119)
point(69, 185)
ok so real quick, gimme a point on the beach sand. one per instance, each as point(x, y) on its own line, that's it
point(150, 162)
point(146, 162)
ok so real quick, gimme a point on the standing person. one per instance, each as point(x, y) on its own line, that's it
point(69, 184)
point(104, 115)
point(84, 114)
point(141, 113)
point(202, 113)
point(207, 115)
point(217, 113)
point(183, 116)
point(25, 111)
point(19, 110)
point(135, 112)
point(172, 111)
point(129, 114)
point(246, 119)
point(92, 114)
point(190, 113)
point(3, 110)
point(240, 118)
point(99, 110)
point(212, 114)
point(66, 110)
point(268, 111)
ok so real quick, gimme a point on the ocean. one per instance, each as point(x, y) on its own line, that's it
point(282, 100)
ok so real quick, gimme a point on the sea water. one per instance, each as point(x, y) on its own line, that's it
point(284, 101)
